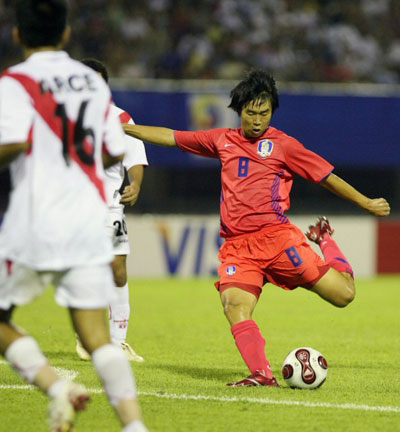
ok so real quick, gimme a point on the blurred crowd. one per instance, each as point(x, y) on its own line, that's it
point(297, 40)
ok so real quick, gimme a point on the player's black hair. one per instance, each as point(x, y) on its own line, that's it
point(96, 65)
point(41, 22)
point(258, 86)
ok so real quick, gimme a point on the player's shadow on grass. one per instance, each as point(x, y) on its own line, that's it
point(211, 373)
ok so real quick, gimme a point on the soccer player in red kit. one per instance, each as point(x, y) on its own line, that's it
point(258, 163)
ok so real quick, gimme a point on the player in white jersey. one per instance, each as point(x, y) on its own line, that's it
point(123, 182)
point(55, 129)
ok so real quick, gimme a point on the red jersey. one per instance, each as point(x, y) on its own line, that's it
point(256, 174)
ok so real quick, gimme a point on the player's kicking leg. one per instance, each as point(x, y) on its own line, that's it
point(337, 285)
point(24, 355)
point(120, 309)
point(111, 365)
point(238, 307)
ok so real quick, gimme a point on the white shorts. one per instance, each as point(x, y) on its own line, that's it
point(118, 231)
point(89, 287)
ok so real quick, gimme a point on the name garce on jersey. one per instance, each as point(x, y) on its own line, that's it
point(252, 167)
point(72, 83)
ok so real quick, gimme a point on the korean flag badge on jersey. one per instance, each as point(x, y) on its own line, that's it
point(264, 148)
point(231, 270)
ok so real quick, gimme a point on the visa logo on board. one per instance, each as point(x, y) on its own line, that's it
point(190, 246)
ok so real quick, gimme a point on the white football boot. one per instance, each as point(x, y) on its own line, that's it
point(82, 353)
point(63, 409)
point(130, 353)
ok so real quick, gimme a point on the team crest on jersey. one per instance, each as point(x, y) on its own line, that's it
point(231, 270)
point(264, 148)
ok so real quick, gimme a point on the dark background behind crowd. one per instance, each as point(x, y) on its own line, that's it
point(330, 41)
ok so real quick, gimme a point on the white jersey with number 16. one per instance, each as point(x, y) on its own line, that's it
point(57, 211)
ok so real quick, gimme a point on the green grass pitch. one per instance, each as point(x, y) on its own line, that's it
point(179, 327)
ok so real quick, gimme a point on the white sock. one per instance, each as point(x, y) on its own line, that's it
point(25, 357)
point(135, 426)
point(115, 372)
point(119, 315)
point(56, 388)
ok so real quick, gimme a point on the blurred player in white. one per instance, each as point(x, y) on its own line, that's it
point(55, 129)
point(123, 182)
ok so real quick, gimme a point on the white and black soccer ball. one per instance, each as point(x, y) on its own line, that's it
point(305, 368)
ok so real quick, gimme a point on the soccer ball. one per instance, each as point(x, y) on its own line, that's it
point(305, 368)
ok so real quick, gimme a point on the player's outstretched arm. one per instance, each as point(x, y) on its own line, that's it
point(377, 206)
point(9, 152)
point(155, 135)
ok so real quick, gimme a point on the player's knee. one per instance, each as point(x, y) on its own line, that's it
point(350, 294)
point(230, 308)
point(347, 295)
point(234, 307)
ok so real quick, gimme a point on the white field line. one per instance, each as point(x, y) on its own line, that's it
point(353, 407)
point(274, 402)
point(68, 374)
point(71, 374)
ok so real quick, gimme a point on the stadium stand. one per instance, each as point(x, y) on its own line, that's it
point(305, 40)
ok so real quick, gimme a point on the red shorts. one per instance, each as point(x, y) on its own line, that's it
point(277, 254)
